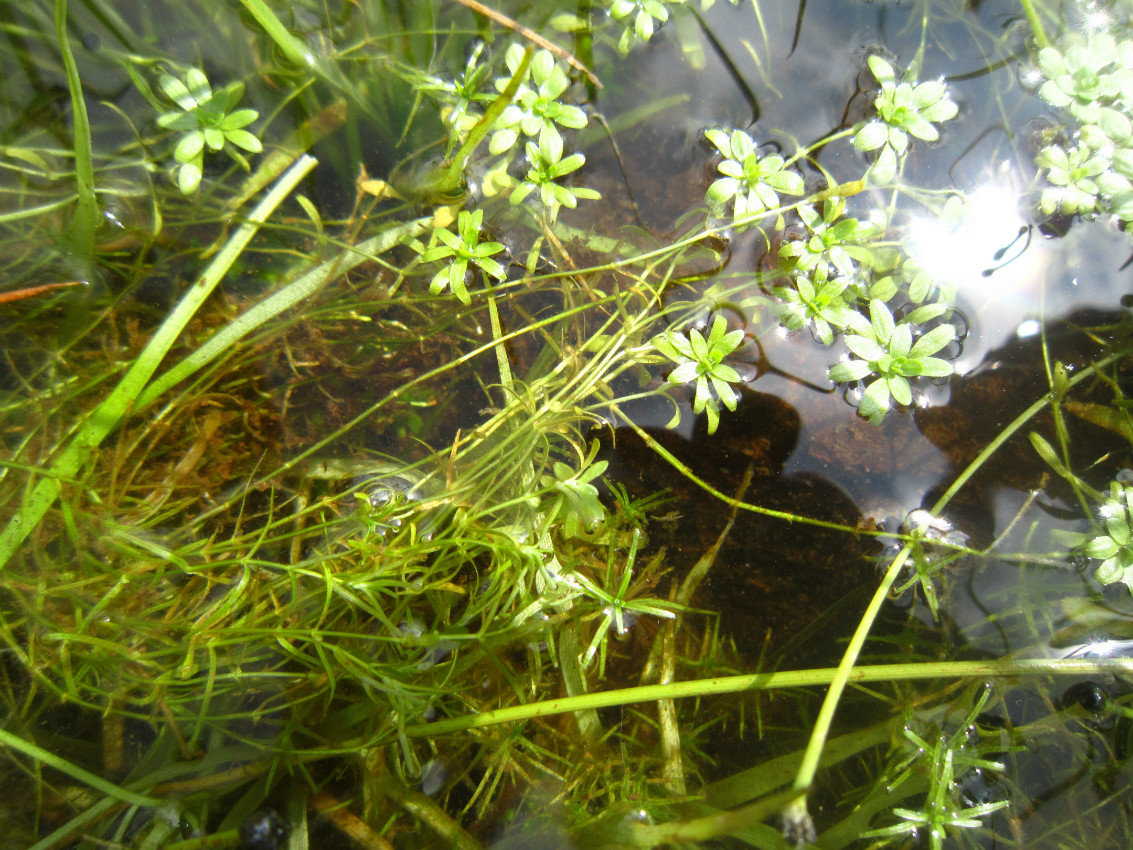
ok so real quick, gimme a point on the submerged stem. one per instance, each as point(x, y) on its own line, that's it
point(80, 235)
point(106, 417)
point(797, 810)
point(15, 742)
point(295, 51)
point(506, 380)
point(816, 677)
point(445, 184)
point(1032, 16)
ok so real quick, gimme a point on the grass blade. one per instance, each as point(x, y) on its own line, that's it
point(80, 236)
point(121, 401)
point(275, 304)
point(75, 772)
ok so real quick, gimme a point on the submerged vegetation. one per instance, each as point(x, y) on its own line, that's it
point(478, 455)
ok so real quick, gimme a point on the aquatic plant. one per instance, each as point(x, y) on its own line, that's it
point(1090, 78)
point(1113, 547)
point(205, 119)
point(885, 348)
point(535, 111)
point(576, 500)
point(935, 546)
point(546, 166)
point(1085, 73)
point(1074, 176)
point(462, 248)
point(914, 280)
point(947, 758)
point(461, 97)
point(835, 241)
point(751, 182)
point(904, 108)
point(816, 300)
point(639, 18)
point(615, 590)
point(702, 360)
point(303, 535)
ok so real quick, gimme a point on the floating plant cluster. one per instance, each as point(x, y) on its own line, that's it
point(843, 280)
point(841, 276)
point(641, 18)
point(904, 108)
point(1088, 169)
point(1089, 80)
point(1114, 548)
point(535, 115)
point(701, 361)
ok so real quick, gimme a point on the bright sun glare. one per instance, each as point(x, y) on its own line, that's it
point(989, 240)
point(987, 255)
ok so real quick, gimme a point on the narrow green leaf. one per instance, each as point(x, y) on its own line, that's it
point(125, 395)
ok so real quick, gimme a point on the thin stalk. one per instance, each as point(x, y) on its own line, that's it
point(76, 825)
point(796, 811)
point(445, 183)
point(1032, 16)
point(15, 742)
point(395, 394)
point(484, 125)
point(294, 50)
point(665, 645)
point(723, 497)
point(225, 840)
point(285, 299)
point(1006, 434)
point(772, 681)
point(80, 235)
point(506, 380)
point(431, 814)
point(33, 212)
point(707, 827)
point(588, 723)
point(532, 36)
point(123, 398)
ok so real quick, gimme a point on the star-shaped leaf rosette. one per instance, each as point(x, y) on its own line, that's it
point(535, 111)
point(701, 360)
point(639, 18)
point(905, 108)
point(1113, 546)
point(207, 120)
point(885, 348)
point(463, 249)
point(750, 183)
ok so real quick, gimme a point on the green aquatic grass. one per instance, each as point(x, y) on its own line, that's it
point(49, 759)
point(106, 417)
point(258, 523)
point(292, 48)
point(80, 234)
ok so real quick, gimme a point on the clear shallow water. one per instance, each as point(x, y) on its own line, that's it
point(1008, 276)
point(786, 595)
point(1010, 279)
